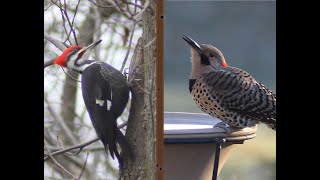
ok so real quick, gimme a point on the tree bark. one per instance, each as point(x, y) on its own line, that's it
point(141, 132)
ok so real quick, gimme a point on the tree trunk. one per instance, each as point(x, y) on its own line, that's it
point(141, 130)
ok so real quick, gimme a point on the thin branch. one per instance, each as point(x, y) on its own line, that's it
point(60, 121)
point(56, 42)
point(102, 6)
point(149, 43)
point(71, 27)
point(64, 20)
point(84, 166)
point(69, 75)
point(75, 13)
point(80, 146)
point(128, 51)
point(88, 148)
point(71, 24)
point(57, 163)
point(49, 6)
point(146, 6)
point(120, 10)
point(133, 4)
point(48, 63)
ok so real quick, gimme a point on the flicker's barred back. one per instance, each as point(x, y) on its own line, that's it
point(228, 93)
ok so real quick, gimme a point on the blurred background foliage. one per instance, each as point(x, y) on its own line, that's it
point(245, 31)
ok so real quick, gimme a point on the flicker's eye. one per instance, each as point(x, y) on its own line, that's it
point(211, 54)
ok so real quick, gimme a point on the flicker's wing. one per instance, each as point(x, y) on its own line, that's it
point(238, 91)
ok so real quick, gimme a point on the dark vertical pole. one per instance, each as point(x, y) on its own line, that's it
point(219, 142)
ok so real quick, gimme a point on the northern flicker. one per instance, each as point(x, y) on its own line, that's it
point(228, 93)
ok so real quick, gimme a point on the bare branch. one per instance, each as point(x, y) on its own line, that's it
point(71, 24)
point(56, 42)
point(48, 63)
point(120, 10)
point(79, 146)
point(128, 51)
point(146, 6)
point(63, 19)
point(49, 6)
point(57, 163)
point(75, 13)
point(60, 121)
point(84, 166)
point(134, 4)
point(102, 6)
point(149, 43)
point(88, 148)
point(69, 75)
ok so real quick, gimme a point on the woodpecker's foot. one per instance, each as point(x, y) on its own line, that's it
point(126, 72)
point(224, 126)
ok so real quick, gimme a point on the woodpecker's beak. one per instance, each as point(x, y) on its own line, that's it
point(91, 46)
point(193, 44)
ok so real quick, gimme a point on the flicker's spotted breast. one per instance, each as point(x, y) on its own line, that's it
point(228, 93)
point(235, 97)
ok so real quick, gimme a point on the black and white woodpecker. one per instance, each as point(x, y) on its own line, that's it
point(105, 93)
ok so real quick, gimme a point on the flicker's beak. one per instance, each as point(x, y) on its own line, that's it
point(91, 46)
point(193, 44)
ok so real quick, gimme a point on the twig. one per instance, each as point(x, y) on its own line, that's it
point(56, 162)
point(60, 121)
point(80, 146)
point(146, 6)
point(128, 51)
point(133, 4)
point(61, 147)
point(64, 20)
point(88, 148)
point(75, 13)
point(149, 43)
point(120, 10)
point(61, 46)
point(49, 6)
point(69, 75)
point(71, 24)
point(102, 6)
point(48, 63)
point(84, 166)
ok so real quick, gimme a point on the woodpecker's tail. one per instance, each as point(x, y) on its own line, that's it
point(125, 146)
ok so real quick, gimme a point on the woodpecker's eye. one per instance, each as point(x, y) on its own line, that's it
point(211, 54)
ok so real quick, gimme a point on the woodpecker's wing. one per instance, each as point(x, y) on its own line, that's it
point(238, 91)
point(101, 97)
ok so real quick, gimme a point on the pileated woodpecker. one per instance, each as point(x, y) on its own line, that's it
point(105, 92)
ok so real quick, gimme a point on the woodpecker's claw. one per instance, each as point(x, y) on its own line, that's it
point(125, 71)
point(223, 125)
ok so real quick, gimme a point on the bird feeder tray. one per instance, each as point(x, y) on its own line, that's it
point(196, 150)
